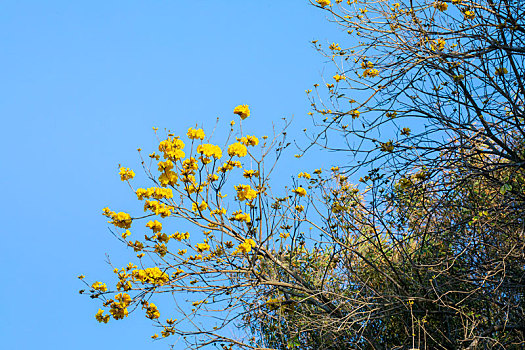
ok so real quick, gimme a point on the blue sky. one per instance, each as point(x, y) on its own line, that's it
point(83, 83)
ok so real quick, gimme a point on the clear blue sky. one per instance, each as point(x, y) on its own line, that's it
point(82, 85)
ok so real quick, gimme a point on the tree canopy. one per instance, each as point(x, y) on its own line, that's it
point(414, 240)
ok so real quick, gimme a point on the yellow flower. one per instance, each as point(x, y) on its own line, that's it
point(126, 234)
point(440, 5)
point(165, 166)
point(100, 287)
point(195, 134)
point(152, 275)
point(107, 212)
point(122, 220)
point(367, 64)
point(179, 236)
point(284, 235)
point(469, 14)
point(301, 192)
point(209, 150)
point(168, 178)
point(370, 73)
point(126, 174)
point(221, 211)
point(242, 110)
point(172, 148)
point(338, 77)
point(333, 47)
point(100, 317)
point(119, 308)
point(240, 216)
point(323, 3)
point(237, 149)
point(245, 192)
point(305, 175)
point(250, 173)
point(245, 247)
point(152, 312)
point(249, 140)
point(154, 225)
point(201, 207)
point(190, 164)
point(202, 247)
point(158, 208)
point(229, 165)
point(438, 45)
point(355, 114)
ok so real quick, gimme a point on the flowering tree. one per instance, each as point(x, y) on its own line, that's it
point(424, 250)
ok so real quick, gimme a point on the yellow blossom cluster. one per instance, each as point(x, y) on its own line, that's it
point(323, 3)
point(190, 164)
point(237, 149)
point(250, 173)
point(101, 287)
point(242, 110)
point(304, 175)
point(158, 208)
point(229, 165)
point(355, 114)
point(168, 178)
point(240, 216)
point(154, 192)
point(165, 166)
point(119, 307)
point(249, 140)
point(209, 150)
point(437, 45)
point(301, 192)
point(137, 245)
point(179, 236)
point(200, 207)
point(122, 220)
point(370, 73)
point(245, 192)
point(469, 14)
point(339, 77)
point(202, 247)
point(152, 312)
point(195, 134)
point(221, 211)
point(172, 148)
point(161, 237)
point(284, 235)
point(155, 226)
point(100, 317)
point(245, 247)
point(334, 47)
point(151, 275)
point(126, 174)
